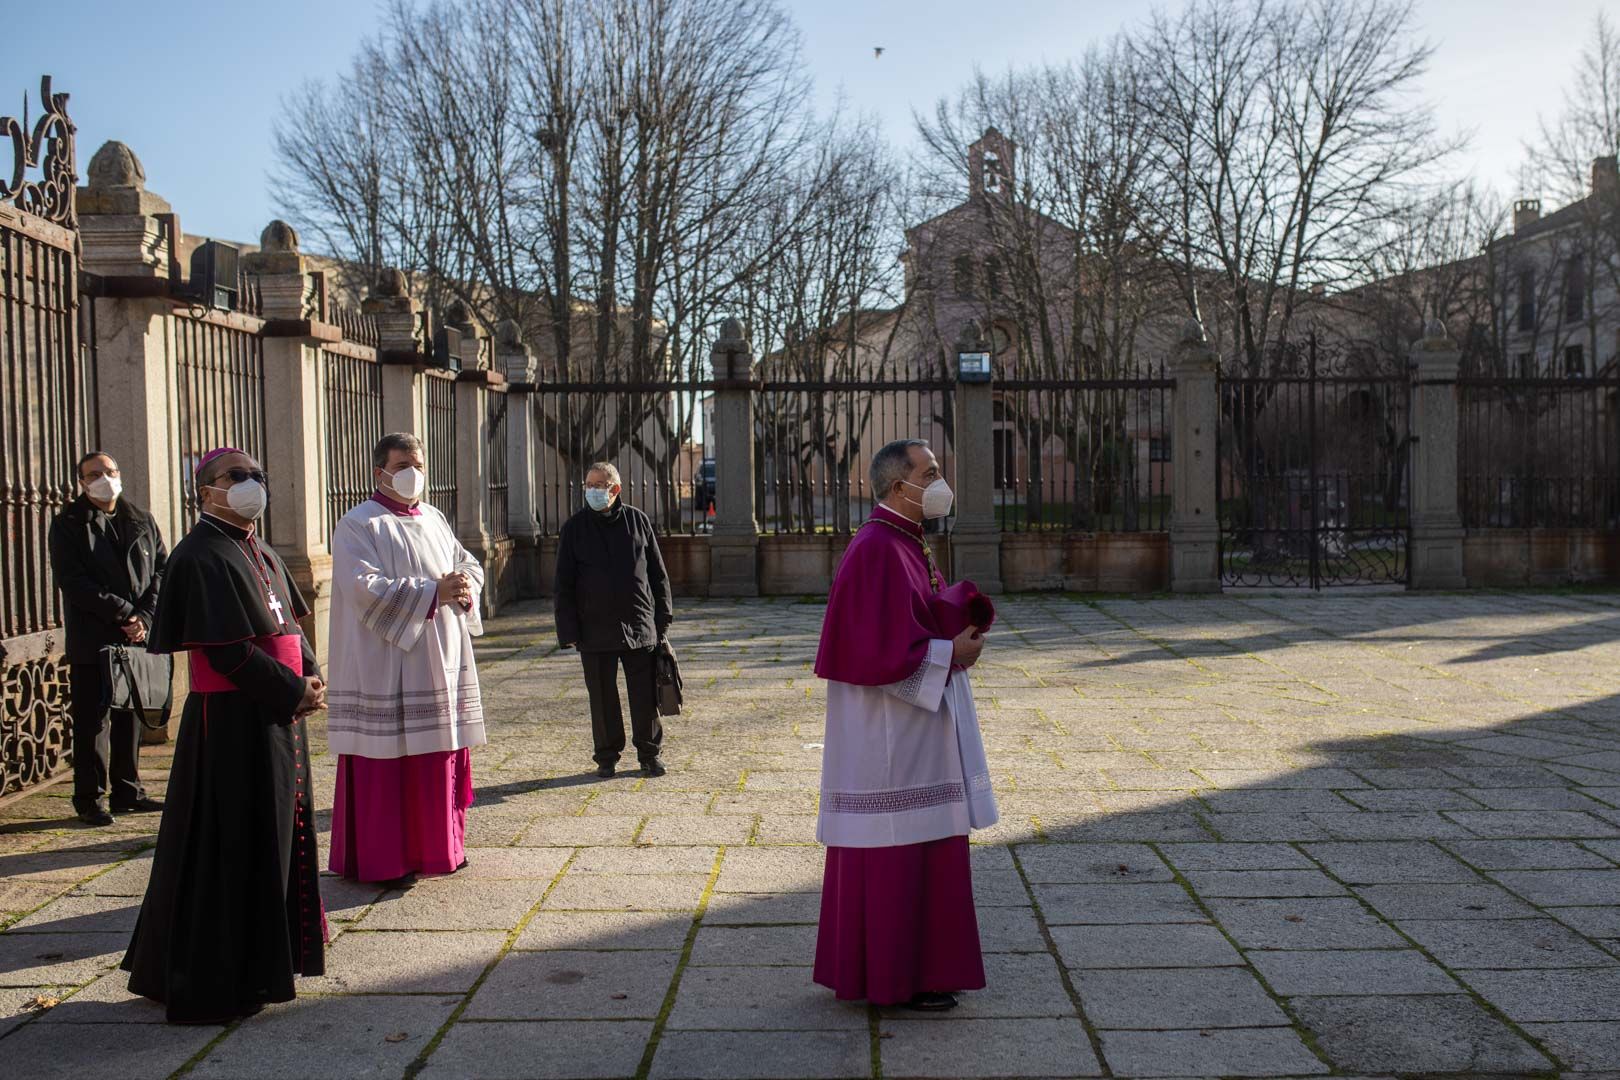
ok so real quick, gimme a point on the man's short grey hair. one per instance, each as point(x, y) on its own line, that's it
point(607, 469)
point(398, 440)
point(891, 464)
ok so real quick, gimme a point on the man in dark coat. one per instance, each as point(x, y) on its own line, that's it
point(233, 908)
point(107, 557)
point(613, 605)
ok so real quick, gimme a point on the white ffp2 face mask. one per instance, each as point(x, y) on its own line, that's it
point(938, 498)
point(408, 483)
point(246, 498)
point(104, 488)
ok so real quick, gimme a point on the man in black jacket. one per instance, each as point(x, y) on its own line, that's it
point(613, 605)
point(107, 556)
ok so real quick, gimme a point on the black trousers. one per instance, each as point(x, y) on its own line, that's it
point(106, 744)
point(607, 718)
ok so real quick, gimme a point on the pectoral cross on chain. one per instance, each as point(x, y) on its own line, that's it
point(275, 609)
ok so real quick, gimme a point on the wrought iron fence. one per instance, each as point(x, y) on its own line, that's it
point(1313, 472)
point(1083, 455)
point(46, 416)
point(219, 360)
point(352, 386)
point(47, 420)
point(1539, 453)
point(357, 326)
point(495, 464)
point(653, 432)
point(441, 443)
point(814, 441)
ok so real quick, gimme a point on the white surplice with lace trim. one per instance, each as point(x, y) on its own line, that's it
point(905, 763)
point(401, 683)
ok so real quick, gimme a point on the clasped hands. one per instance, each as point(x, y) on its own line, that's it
point(314, 699)
point(134, 630)
point(456, 588)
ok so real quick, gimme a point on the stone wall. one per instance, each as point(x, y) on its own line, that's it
point(1520, 558)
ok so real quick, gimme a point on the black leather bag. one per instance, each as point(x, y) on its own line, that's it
point(139, 681)
point(667, 680)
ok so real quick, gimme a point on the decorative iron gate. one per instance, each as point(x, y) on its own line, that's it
point(47, 419)
point(1314, 470)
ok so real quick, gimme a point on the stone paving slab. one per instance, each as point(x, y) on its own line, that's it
point(1249, 835)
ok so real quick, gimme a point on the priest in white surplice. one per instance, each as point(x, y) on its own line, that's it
point(402, 700)
point(903, 775)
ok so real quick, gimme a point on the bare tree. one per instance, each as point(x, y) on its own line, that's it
point(584, 167)
point(1061, 254)
point(1285, 135)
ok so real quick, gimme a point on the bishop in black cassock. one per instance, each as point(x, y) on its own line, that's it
point(233, 909)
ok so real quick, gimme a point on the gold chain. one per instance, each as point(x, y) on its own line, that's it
point(928, 554)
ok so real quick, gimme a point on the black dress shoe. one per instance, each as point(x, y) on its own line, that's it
point(932, 1002)
point(140, 806)
point(605, 771)
point(98, 816)
point(653, 767)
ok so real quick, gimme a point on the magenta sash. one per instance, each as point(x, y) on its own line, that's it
point(287, 649)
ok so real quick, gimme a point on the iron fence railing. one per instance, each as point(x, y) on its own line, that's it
point(47, 417)
point(1539, 453)
point(219, 361)
point(496, 482)
point(1313, 470)
point(814, 442)
point(653, 432)
point(441, 443)
point(1076, 455)
point(352, 387)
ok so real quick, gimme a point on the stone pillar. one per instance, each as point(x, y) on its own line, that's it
point(294, 445)
point(125, 239)
point(516, 361)
point(126, 231)
point(1435, 559)
point(459, 317)
point(472, 479)
point(399, 352)
point(1194, 521)
point(734, 541)
point(975, 535)
point(125, 234)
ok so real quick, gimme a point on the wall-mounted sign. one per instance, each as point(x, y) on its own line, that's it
point(973, 367)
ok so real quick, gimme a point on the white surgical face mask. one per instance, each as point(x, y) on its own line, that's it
point(937, 498)
point(246, 498)
point(409, 483)
point(104, 488)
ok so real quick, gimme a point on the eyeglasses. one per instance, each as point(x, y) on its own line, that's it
point(239, 475)
point(599, 487)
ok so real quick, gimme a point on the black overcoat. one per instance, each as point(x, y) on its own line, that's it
point(611, 591)
point(109, 568)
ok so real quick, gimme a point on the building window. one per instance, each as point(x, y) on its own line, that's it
point(964, 275)
point(1159, 448)
point(992, 277)
point(1574, 362)
point(1575, 289)
point(1527, 300)
point(1527, 365)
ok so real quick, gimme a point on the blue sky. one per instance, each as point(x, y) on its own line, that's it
point(194, 86)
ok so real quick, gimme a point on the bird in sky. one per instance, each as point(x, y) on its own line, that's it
point(877, 52)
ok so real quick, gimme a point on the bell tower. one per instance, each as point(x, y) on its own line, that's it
point(990, 164)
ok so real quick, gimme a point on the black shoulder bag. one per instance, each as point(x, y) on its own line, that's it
point(140, 681)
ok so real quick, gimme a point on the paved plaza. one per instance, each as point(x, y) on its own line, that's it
point(1242, 836)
